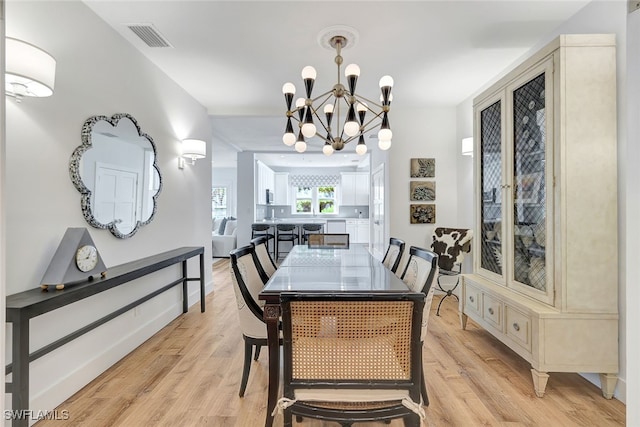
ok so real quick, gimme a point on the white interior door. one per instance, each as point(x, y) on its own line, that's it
point(115, 197)
point(378, 244)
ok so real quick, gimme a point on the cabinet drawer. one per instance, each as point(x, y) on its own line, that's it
point(518, 327)
point(492, 311)
point(472, 300)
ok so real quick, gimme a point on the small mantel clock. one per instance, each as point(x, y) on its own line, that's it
point(75, 261)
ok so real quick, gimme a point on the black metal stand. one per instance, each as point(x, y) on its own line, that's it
point(23, 306)
point(448, 292)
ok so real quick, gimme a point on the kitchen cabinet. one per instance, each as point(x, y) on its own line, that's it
point(282, 189)
point(265, 180)
point(544, 279)
point(358, 230)
point(354, 188)
point(362, 227)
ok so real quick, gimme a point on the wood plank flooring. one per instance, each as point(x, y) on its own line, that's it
point(189, 373)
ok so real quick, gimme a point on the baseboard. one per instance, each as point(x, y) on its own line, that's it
point(52, 396)
point(56, 393)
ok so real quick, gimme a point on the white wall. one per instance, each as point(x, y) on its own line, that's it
point(245, 196)
point(3, 203)
point(632, 231)
point(465, 165)
point(600, 17)
point(98, 73)
point(429, 133)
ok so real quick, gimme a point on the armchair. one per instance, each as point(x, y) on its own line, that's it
point(450, 244)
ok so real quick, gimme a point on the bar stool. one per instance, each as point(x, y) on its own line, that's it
point(285, 233)
point(258, 230)
point(310, 229)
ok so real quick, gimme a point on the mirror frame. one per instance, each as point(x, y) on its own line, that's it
point(74, 172)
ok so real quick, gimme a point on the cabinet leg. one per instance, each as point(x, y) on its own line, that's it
point(463, 320)
point(539, 381)
point(608, 383)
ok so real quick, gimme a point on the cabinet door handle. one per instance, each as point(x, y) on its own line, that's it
point(516, 327)
point(490, 310)
point(471, 299)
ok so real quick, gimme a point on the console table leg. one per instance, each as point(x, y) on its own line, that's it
point(202, 283)
point(20, 373)
point(185, 291)
point(539, 381)
point(608, 383)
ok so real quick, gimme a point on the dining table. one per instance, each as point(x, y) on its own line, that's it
point(307, 270)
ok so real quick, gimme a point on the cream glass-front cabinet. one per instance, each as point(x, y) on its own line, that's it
point(545, 279)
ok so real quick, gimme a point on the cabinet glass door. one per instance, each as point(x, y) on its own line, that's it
point(529, 192)
point(491, 208)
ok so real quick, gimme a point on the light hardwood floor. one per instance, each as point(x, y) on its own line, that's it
point(189, 373)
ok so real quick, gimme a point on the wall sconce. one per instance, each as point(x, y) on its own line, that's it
point(467, 146)
point(192, 150)
point(29, 70)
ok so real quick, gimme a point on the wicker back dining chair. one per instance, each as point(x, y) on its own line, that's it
point(419, 275)
point(247, 284)
point(268, 267)
point(328, 241)
point(352, 358)
point(311, 228)
point(392, 258)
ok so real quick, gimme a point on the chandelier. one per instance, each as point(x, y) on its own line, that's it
point(356, 124)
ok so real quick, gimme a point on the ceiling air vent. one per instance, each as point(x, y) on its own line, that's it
point(149, 35)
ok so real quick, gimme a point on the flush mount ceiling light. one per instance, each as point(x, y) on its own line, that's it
point(355, 124)
point(29, 70)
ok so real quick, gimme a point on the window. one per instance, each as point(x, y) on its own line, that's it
point(312, 200)
point(219, 202)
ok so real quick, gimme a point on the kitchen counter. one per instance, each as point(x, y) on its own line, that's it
point(357, 228)
point(302, 220)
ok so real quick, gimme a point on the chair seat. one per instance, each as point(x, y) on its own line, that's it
point(351, 399)
point(287, 237)
point(349, 395)
point(448, 272)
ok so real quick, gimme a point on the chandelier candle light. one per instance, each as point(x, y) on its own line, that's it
point(330, 103)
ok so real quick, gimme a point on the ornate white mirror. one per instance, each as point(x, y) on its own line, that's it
point(116, 173)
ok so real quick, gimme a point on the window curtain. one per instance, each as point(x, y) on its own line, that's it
point(314, 180)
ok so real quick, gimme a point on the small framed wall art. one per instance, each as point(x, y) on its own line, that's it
point(422, 214)
point(423, 168)
point(423, 191)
